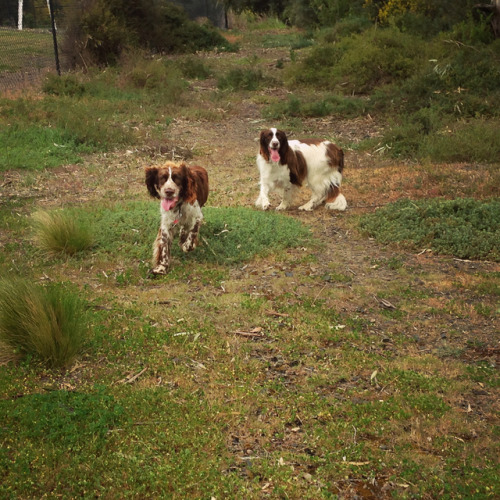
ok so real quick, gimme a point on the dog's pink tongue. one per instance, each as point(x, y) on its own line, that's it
point(168, 204)
point(275, 156)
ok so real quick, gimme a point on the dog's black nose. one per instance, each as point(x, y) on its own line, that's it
point(169, 192)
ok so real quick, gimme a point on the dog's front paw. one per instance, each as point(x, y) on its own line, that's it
point(308, 207)
point(189, 245)
point(282, 206)
point(263, 204)
point(159, 270)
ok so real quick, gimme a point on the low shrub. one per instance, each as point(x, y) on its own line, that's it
point(193, 68)
point(67, 85)
point(241, 79)
point(465, 228)
point(361, 62)
point(45, 322)
point(332, 105)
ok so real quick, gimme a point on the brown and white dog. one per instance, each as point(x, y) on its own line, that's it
point(183, 191)
point(285, 165)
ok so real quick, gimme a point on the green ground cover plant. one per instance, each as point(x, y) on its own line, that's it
point(465, 228)
point(228, 236)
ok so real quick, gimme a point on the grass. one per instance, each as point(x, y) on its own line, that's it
point(58, 233)
point(267, 362)
point(465, 228)
point(32, 48)
point(45, 323)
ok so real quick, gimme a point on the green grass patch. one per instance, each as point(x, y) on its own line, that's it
point(228, 236)
point(465, 228)
point(35, 148)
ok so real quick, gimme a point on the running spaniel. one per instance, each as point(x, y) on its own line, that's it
point(183, 191)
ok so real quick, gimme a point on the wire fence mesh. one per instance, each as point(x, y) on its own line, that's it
point(27, 50)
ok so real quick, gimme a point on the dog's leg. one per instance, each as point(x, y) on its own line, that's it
point(287, 197)
point(335, 200)
point(189, 232)
point(262, 201)
point(161, 252)
point(315, 200)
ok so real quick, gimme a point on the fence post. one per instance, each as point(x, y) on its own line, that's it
point(54, 36)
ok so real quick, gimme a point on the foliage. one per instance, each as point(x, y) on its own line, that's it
point(361, 62)
point(465, 228)
point(344, 107)
point(322, 12)
point(64, 85)
point(45, 322)
point(194, 68)
point(241, 79)
point(100, 31)
point(427, 17)
point(61, 233)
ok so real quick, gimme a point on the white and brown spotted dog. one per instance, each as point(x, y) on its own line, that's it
point(285, 165)
point(183, 191)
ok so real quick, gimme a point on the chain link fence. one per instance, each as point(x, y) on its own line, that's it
point(28, 49)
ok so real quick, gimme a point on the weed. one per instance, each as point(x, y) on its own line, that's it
point(67, 85)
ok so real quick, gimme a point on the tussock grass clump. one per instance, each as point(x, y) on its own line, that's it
point(47, 323)
point(61, 233)
point(465, 228)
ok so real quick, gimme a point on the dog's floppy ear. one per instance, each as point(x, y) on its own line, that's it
point(264, 144)
point(188, 191)
point(152, 181)
point(283, 145)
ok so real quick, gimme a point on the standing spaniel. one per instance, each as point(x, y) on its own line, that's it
point(183, 191)
point(285, 165)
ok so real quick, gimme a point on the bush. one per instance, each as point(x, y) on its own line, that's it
point(332, 105)
point(194, 68)
point(241, 79)
point(99, 31)
point(67, 85)
point(45, 322)
point(61, 233)
point(360, 63)
point(465, 228)
point(94, 35)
